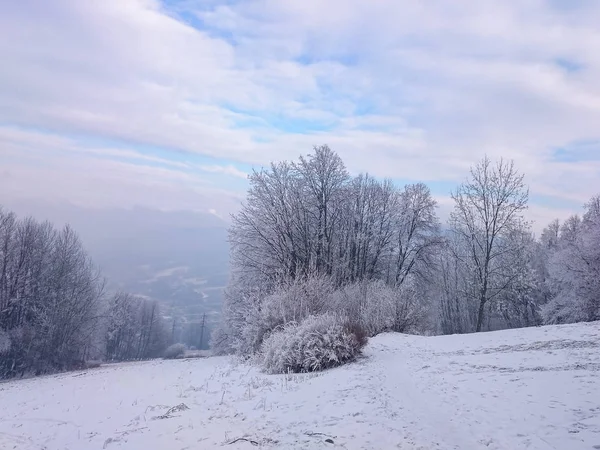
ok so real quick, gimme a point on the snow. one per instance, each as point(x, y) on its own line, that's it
point(536, 388)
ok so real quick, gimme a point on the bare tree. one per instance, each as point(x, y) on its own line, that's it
point(366, 229)
point(269, 237)
point(135, 329)
point(417, 233)
point(323, 177)
point(453, 285)
point(488, 207)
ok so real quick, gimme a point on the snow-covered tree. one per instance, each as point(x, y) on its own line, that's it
point(309, 233)
point(417, 234)
point(574, 269)
point(518, 305)
point(366, 230)
point(134, 328)
point(50, 297)
point(488, 208)
point(323, 177)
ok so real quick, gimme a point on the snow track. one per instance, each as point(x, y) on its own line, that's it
point(535, 389)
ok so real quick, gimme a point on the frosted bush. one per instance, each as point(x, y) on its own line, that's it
point(317, 343)
point(277, 354)
point(175, 351)
point(297, 300)
point(377, 307)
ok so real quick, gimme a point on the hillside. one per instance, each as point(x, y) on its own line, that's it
point(533, 388)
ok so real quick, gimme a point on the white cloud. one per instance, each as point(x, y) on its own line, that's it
point(225, 170)
point(401, 89)
point(39, 166)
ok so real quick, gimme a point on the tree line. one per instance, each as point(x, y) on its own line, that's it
point(311, 239)
point(55, 312)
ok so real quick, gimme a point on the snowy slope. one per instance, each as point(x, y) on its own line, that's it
point(533, 388)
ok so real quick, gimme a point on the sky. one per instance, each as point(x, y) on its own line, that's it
point(170, 104)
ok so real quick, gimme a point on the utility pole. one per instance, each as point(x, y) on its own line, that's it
point(202, 331)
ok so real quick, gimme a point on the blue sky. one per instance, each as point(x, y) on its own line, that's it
point(168, 105)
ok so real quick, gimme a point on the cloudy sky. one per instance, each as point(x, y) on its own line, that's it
point(169, 104)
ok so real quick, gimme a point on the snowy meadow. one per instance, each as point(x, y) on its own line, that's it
point(531, 389)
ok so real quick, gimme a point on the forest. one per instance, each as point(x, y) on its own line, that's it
point(55, 311)
point(314, 248)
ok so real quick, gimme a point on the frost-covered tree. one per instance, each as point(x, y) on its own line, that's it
point(135, 328)
point(50, 297)
point(488, 208)
point(270, 239)
point(365, 230)
point(288, 227)
point(67, 317)
point(454, 288)
point(417, 234)
point(322, 177)
point(518, 303)
point(574, 269)
point(308, 227)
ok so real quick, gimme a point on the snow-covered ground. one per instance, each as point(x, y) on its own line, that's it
point(533, 388)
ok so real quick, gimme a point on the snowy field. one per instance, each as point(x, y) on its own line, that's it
point(533, 388)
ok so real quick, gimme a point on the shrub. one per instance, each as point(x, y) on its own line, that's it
point(92, 364)
point(175, 351)
point(317, 343)
point(378, 308)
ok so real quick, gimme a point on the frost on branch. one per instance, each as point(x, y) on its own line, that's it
point(317, 343)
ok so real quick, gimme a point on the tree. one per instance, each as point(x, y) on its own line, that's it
point(50, 297)
point(306, 229)
point(69, 312)
point(323, 177)
point(135, 330)
point(366, 229)
point(417, 233)
point(488, 207)
point(574, 269)
point(267, 237)
point(518, 304)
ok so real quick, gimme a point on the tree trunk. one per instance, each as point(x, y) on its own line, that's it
point(480, 314)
